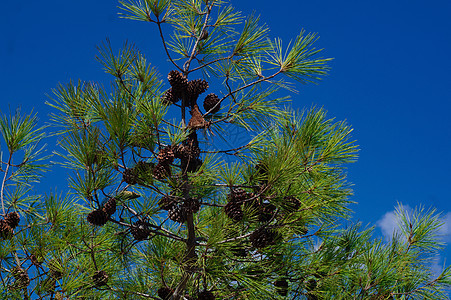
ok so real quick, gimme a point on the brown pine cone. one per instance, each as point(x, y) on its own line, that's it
point(177, 213)
point(263, 237)
point(192, 145)
point(56, 274)
point(292, 203)
point(166, 155)
point(140, 231)
point(211, 102)
point(239, 195)
point(100, 278)
point(169, 97)
point(206, 295)
point(97, 217)
point(110, 206)
point(129, 176)
point(191, 205)
point(161, 171)
point(12, 219)
point(6, 231)
point(266, 212)
point(21, 276)
point(233, 211)
point(178, 82)
point(195, 88)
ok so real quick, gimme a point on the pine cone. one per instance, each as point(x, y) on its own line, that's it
point(164, 293)
point(166, 202)
point(206, 295)
point(21, 276)
point(188, 153)
point(166, 155)
point(12, 219)
point(57, 274)
point(233, 211)
point(177, 213)
point(281, 286)
point(266, 212)
point(292, 203)
point(195, 88)
point(191, 205)
point(110, 207)
point(263, 237)
point(129, 176)
point(100, 278)
point(178, 82)
point(169, 97)
point(6, 231)
point(211, 103)
point(161, 171)
point(239, 195)
point(97, 217)
point(191, 145)
point(140, 231)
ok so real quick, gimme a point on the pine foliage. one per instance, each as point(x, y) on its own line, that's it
point(166, 204)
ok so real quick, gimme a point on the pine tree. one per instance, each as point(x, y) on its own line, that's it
point(168, 205)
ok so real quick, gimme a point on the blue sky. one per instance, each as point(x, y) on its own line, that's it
point(389, 79)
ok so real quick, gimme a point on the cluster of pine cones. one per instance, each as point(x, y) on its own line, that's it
point(8, 224)
point(181, 88)
point(188, 152)
point(239, 198)
point(177, 211)
point(99, 217)
point(165, 293)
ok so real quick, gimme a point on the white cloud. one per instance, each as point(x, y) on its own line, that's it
point(445, 230)
point(389, 223)
point(437, 266)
